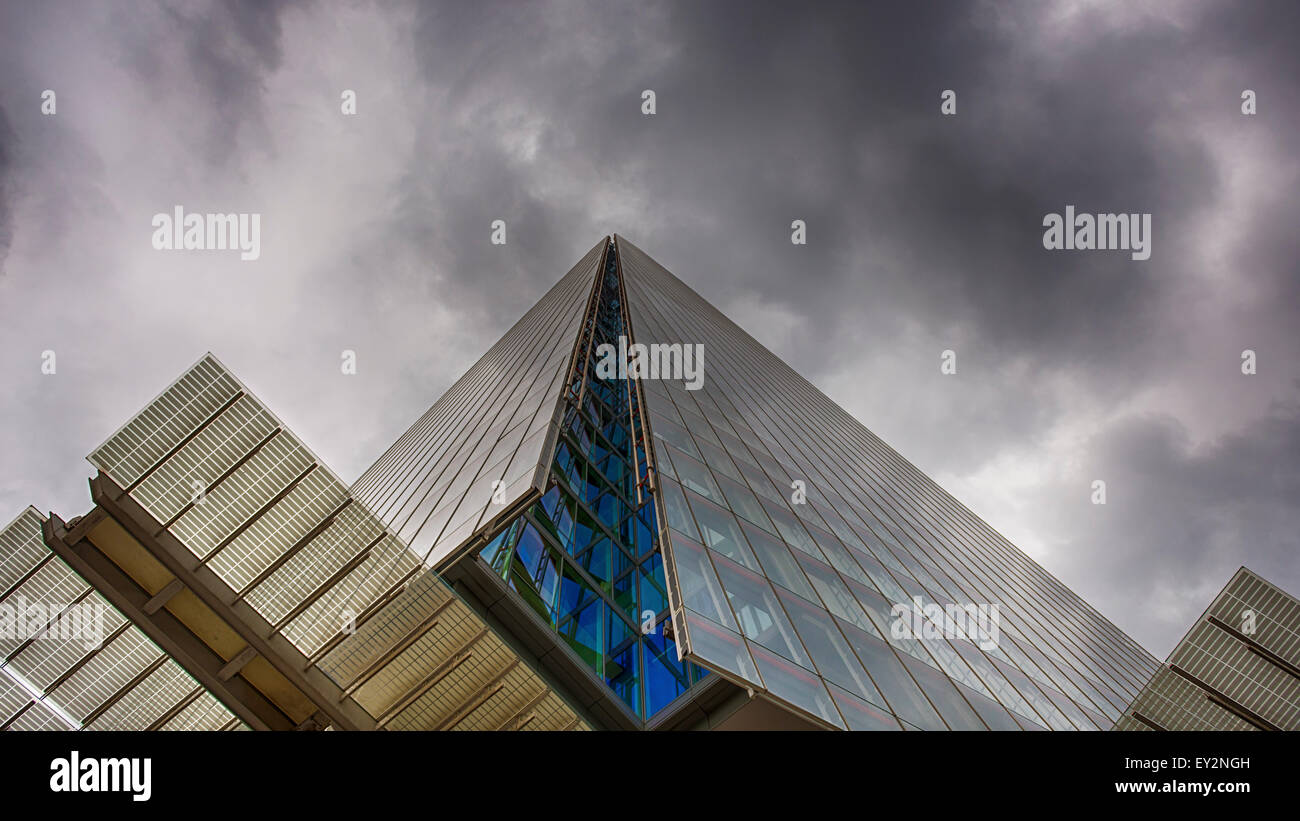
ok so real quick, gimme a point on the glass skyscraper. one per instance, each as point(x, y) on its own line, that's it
point(796, 599)
point(748, 536)
point(709, 542)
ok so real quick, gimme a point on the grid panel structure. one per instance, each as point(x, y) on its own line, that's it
point(426, 661)
point(792, 533)
point(249, 500)
point(54, 678)
point(1238, 667)
point(214, 468)
point(436, 485)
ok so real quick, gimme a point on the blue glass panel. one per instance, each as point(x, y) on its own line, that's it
point(582, 632)
point(550, 502)
point(596, 561)
point(665, 677)
point(625, 595)
point(623, 675)
point(585, 528)
point(609, 509)
point(548, 584)
point(574, 593)
point(654, 596)
point(529, 552)
point(497, 551)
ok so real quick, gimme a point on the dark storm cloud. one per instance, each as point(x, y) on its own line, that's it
point(771, 113)
point(214, 56)
point(780, 114)
point(921, 218)
point(1180, 517)
point(924, 231)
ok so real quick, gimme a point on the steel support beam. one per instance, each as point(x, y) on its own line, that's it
point(164, 629)
point(342, 712)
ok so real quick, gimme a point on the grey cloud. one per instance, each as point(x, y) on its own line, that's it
point(1182, 517)
point(6, 184)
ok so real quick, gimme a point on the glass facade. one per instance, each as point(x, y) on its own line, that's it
point(586, 557)
point(487, 435)
point(636, 546)
point(1238, 667)
point(761, 533)
point(791, 533)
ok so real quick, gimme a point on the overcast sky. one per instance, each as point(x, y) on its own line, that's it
point(924, 234)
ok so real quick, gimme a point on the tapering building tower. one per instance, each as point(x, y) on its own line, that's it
point(528, 487)
point(697, 536)
point(628, 514)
